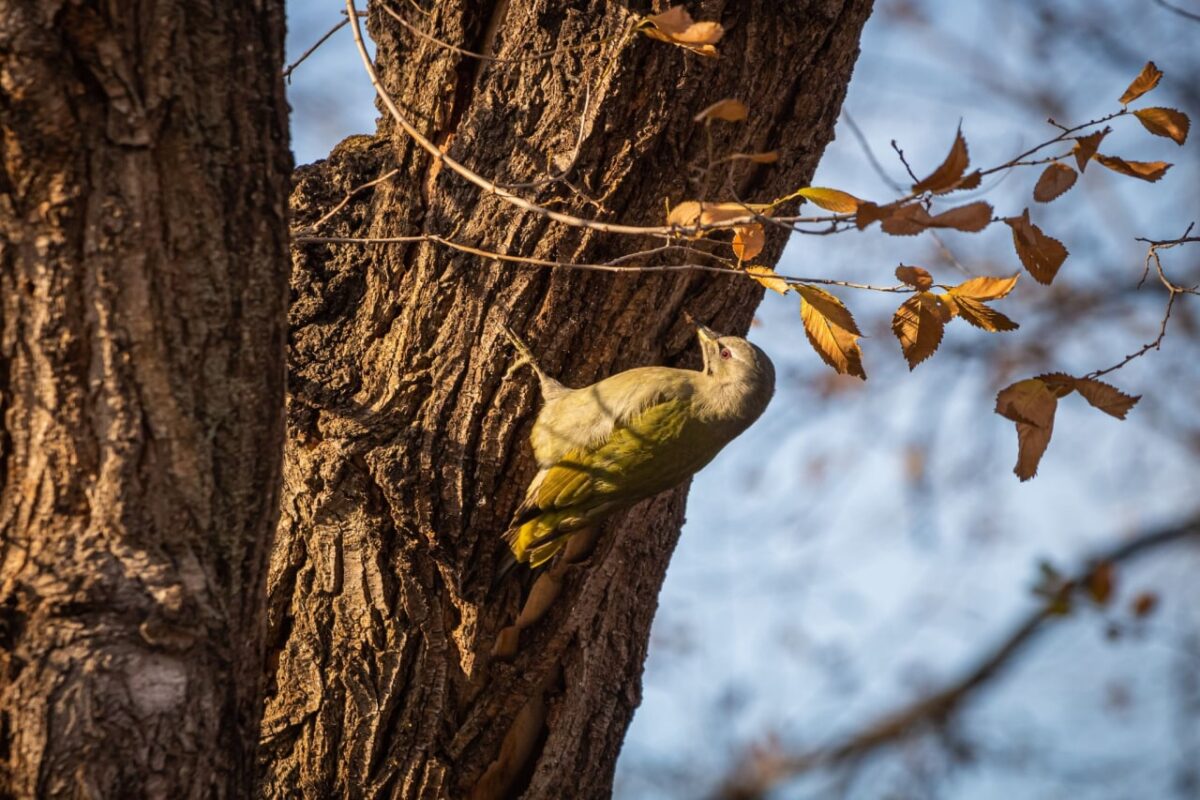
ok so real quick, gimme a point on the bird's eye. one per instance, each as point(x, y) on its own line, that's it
point(725, 353)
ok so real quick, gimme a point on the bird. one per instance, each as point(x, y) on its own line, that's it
point(602, 448)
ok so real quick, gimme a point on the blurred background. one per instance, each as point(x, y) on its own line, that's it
point(877, 549)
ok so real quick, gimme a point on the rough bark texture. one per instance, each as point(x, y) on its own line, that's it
point(407, 447)
point(143, 283)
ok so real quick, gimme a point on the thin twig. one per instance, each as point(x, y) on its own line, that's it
point(349, 195)
point(493, 59)
point(935, 712)
point(1180, 11)
point(607, 267)
point(1155, 344)
point(944, 248)
point(1173, 291)
point(287, 72)
point(494, 188)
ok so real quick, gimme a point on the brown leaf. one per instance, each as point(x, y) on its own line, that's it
point(676, 26)
point(834, 200)
point(1145, 170)
point(1099, 583)
point(912, 219)
point(712, 213)
point(985, 288)
point(1144, 82)
point(869, 212)
point(748, 241)
point(1055, 180)
point(686, 214)
point(767, 277)
point(971, 218)
point(831, 330)
point(915, 277)
point(907, 220)
point(1031, 404)
point(983, 316)
point(919, 323)
point(1165, 122)
point(1086, 146)
point(946, 176)
point(1143, 604)
point(729, 110)
point(971, 181)
point(1106, 397)
point(1042, 255)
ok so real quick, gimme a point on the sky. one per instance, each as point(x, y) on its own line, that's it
point(815, 586)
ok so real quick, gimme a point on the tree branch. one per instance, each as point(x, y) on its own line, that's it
point(761, 773)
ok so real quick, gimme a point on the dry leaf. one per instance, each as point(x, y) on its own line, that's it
point(748, 241)
point(1055, 180)
point(1146, 170)
point(1106, 397)
point(946, 176)
point(915, 277)
point(1099, 583)
point(831, 330)
point(1042, 255)
point(676, 26)
point(1143, 604)
point(869, 212)
point(1144, 82)
point(985, 288)
point(1031, 404)
point(834, 200)
point(729, 110)
point(907, 220)
point(971, 218)
point(919, 323)
point(712, 213)
point(912, 219)
point(691, 212)
point(1165, 122)
point(1086, 146)
point(767, 277)
point(686, 214)
point(982, 316)
point(971, 181)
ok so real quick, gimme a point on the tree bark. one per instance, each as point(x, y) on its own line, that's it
point(407, 447)
point(143, 283)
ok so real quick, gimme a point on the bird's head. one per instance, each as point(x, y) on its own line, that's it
point(732, 360)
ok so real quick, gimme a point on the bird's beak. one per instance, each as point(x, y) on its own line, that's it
point(708, 341)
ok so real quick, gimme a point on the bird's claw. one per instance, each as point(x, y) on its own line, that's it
point(524, 356)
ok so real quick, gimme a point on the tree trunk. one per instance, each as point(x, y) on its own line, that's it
point(143, 283)
point(407, 447)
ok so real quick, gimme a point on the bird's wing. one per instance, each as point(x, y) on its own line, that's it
point(652, 451)
point(582, 419)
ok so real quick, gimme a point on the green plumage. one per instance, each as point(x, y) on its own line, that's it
point(607, 446)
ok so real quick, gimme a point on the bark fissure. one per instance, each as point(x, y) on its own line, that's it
point(143, 274)
point(404, 427)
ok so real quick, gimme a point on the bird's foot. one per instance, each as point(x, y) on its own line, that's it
point(524, 356)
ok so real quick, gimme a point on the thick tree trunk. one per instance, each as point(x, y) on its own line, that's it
point(143, 283)
point(407, 447)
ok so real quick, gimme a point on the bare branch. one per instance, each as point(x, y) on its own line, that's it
point(758, 776)
point(613, 266)
point(287, 73)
